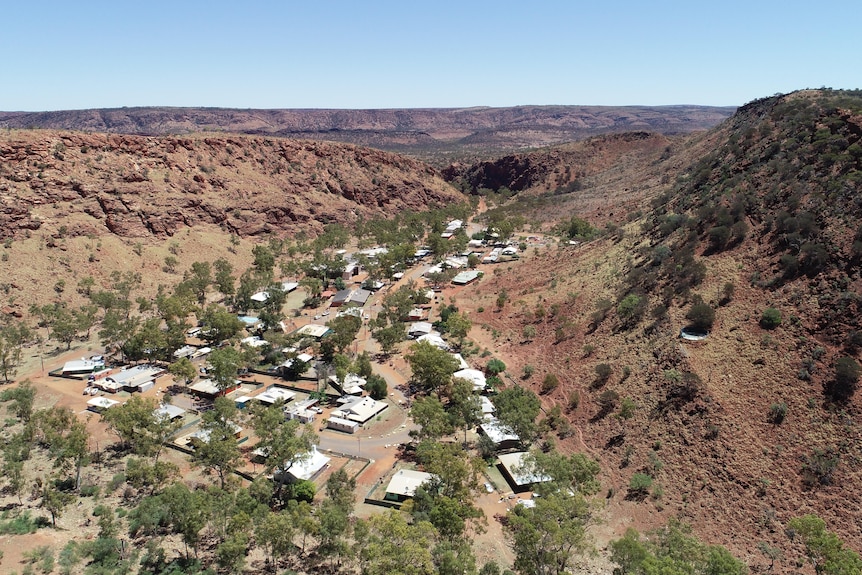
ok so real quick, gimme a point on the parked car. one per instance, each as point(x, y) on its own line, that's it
point(489, 488)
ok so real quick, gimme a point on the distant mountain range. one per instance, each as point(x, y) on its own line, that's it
point(442, 134)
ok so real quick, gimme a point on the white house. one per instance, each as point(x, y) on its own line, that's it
point(359, 409)
point(474, 376)
point(341, 424)
point(404, 484)
point(306, 467)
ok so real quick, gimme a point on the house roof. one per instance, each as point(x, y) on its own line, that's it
point(342, 296)
point(359, 409)
point(307, 467)
point(313, 330)
point(487, 405)
point(169, 411)
point(434, 339)
point(406, 481)
point(496, 431)
point(466, 277)
point(462, 364)
point(208, 387)
point(136, 376)
point(82, 366)
point(514, 465)
point(102, 403)
point(474, 376)
point(360, 296)
point(274, 394)
point(422, 327)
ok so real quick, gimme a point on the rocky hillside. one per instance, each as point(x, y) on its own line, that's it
point(757, 423)
point(439, 134)
point(68, 184)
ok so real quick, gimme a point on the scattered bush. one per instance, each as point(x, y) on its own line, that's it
point(639, 485)
point(817, 468)
point(846, 379)
point(777, 413)
point(550, 383)
point(603, 374)
point(701, 315)
point(770, 319)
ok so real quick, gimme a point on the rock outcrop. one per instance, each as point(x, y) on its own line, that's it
point(138, 186)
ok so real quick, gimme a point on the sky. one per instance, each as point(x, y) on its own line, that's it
point(61, 55)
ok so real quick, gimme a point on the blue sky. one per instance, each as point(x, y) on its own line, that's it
point(60, 55)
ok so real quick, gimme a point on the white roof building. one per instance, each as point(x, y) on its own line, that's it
point(314, 330)
point(487, 405)
point(497, 432)
point(405, 482)
point(466, 277)
point(359, 409)
point(306, 467)
point(519, 473)
point(185, 351)
point(168, 411)
point(100, 404)
point(254, 341)
point(274, 394)
point(419, 328)
point(353, 383)
point(83, 366)
point(435, 340)
point(462, 363)
point(474, 376)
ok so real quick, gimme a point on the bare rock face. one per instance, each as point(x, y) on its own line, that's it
point(136, 186)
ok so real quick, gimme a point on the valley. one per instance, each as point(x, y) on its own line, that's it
point(119, 245)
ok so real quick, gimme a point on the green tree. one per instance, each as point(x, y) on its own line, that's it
point(824, 549)
point(547, 537)
point(218, 324)
point(390, 336)
point(495, 367)
point(183, 370)
point(431, 417)
point(701, 315)
point(225, 363)
point(22, 397)
point(432, 367)
point(284, 442)
point(517, 409)
point(224, 280)
point(12, 338)
point(55, 500)
point(387, 543)
point(139, 427)
point(186, 512)
point(458, 326)
point(376, 387)
point(218, 451)
point(274, 531)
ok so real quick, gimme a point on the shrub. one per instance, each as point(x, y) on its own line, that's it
point(846, 379)
point(777, 413)
point(550, 383)
point(701, 315)
point(770, 319)
point(817, 468)
point(529, 370)
point(627, 408)
point(574, 400)
point(495, 367)
point(639, 485)
point(603, 373)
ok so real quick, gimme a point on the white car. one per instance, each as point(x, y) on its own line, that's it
point(489, 488)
